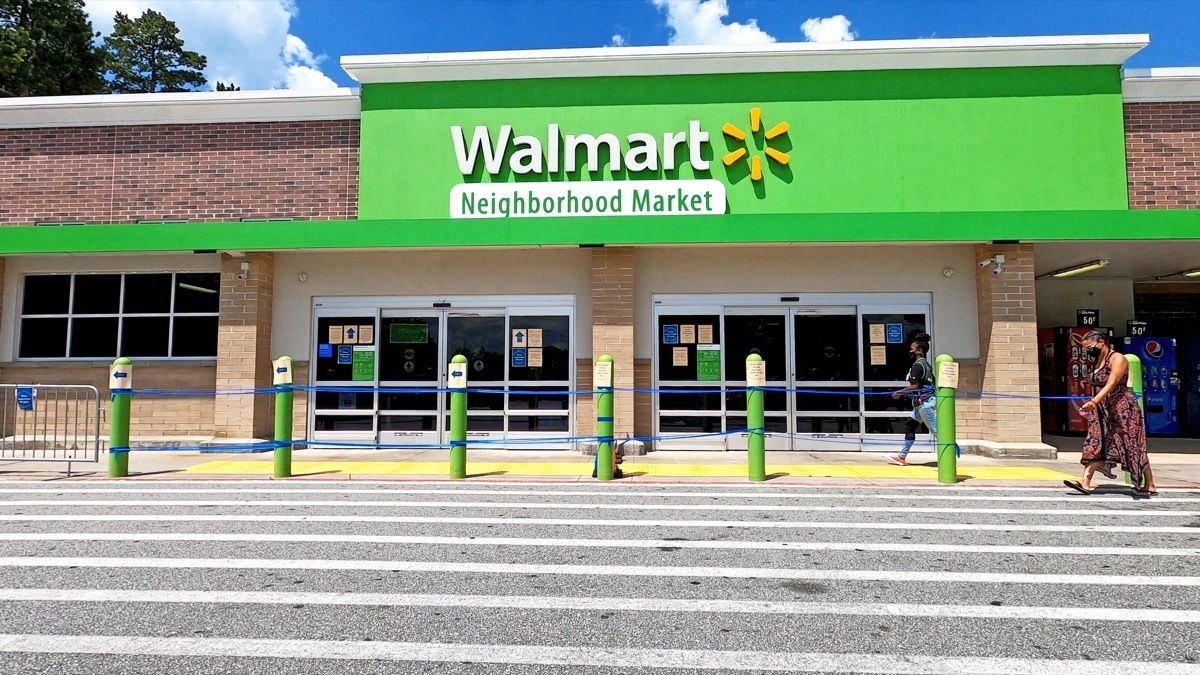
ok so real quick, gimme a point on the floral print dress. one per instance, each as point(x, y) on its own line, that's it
point(1117, 430)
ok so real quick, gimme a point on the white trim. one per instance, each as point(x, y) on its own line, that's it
point(202, 107)
point(777, 57)
point(1149, 85)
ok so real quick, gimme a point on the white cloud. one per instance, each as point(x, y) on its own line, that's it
point(832, 29)
point(701, 22)
point(246, 41)
point(618, 40)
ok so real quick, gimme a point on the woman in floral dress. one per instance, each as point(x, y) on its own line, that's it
point(1116, 426)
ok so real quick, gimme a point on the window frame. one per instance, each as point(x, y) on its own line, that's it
point(120, 315)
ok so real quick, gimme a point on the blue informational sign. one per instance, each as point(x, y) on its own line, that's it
point(345, 355)
point(671, 334)
point(25, 397)
point(519, 357)
point(325, 351)
point(895, 333)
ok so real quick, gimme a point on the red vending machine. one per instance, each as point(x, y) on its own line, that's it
point(1065, 370)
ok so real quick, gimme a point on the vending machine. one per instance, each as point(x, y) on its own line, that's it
point(1160, 381)
point(1066, 368)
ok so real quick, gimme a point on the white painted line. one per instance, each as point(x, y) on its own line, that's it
point(906, 547)
point(706, 494)
point(211, 503)
point(603, 604)
point(894, 576)
point(573, 522)
point(576, 656)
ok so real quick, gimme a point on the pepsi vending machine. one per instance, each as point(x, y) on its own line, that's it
point(1160, 381)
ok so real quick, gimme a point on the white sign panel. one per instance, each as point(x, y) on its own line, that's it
point(120, 377)
point(457, 376)
point(702, 197)
point(281, 371)
point(948, 375)
point(756, 373)
point(602, 374)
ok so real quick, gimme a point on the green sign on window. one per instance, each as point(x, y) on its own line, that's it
point(408, 333)
point(708, 363)
point(363, 368)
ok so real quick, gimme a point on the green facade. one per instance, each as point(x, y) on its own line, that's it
point(906, 141)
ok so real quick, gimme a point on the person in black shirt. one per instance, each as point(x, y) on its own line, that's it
point(920, 381)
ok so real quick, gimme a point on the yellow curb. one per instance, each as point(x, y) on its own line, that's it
point(1024, 473)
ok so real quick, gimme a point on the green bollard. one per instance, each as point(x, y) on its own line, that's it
point(458, 416)
point(1138, 385)
point(756, 419)
point(284, 395)
point(947, 436)
point(120, 382)
point(604, 418)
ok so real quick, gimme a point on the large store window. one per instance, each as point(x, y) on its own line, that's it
point(103, 316)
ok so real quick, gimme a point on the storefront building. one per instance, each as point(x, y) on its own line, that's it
point(674, 207)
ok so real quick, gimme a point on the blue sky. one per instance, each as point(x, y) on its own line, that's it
point(298, 43)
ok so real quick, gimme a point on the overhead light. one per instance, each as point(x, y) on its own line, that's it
point(1186, 273)
point(1078, 269)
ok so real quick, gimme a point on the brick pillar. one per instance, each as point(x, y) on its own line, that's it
point(612, 332)
point(1008, 346)
point(244, 347)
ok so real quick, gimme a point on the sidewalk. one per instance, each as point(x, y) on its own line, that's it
point(1179, 468)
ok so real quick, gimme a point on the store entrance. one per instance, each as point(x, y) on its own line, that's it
point(832, 368)
point(519, 373)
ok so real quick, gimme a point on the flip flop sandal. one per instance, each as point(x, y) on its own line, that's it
point(1076, 486)
point(1104, 471)
point(1148, 493)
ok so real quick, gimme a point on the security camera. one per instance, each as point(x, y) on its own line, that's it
point(997, 270)
point(241, 276)
point(998, 260)
point(985, 262)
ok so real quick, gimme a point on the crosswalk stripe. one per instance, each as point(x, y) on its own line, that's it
point(1119, 614)
point(906, 547)
point(208, 503)
point(706, 494)
point(575, 522)
point(576, 656)
point(899, 576)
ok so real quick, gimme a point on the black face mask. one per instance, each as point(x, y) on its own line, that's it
point(1094, 352)
point(914, 355)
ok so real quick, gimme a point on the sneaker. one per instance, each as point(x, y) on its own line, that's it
point(897, 459)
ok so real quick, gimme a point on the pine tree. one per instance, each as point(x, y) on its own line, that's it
point(47, 49)
point(221, 86)
point(146, 55)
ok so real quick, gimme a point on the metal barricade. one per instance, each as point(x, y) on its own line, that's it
point(49, 423)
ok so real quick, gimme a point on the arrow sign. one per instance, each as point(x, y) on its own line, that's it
point(350, 333)
point(119, 375)
point(281, 370)
point(457, 373)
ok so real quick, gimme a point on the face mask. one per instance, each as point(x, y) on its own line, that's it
point(1093, 352)
point(914, 356)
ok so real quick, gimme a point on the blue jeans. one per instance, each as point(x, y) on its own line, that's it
point(927, 413)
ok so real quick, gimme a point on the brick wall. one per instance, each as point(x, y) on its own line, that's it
point(612, 325)
point(244, 345)
point(1162, 155)
point(1008, 346)
point(149, 415)
point(1167, 302)
point(197, 172)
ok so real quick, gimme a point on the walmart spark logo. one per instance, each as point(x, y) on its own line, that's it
point(778, 156)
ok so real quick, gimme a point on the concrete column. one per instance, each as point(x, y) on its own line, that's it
point(1008, 350)
point(244, 346)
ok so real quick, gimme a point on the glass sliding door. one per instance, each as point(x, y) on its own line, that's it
point(762, 332)
point(480, 337)
point(887, 333)
point(540, 370)
point(410, 373)
point(344, 364)
point(690, 374)
point(826, 401)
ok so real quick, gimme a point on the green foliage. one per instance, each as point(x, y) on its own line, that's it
point(146, 55)
point(47, 49)
point(221, 86)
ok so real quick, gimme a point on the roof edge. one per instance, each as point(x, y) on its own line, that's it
point(776, 57)
point(1161, 85)
point(201, 107)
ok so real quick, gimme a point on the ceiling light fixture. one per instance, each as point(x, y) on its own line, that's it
point(1191, 274)
point(1078, 269)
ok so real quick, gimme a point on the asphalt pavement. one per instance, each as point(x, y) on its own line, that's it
point(247, 576)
